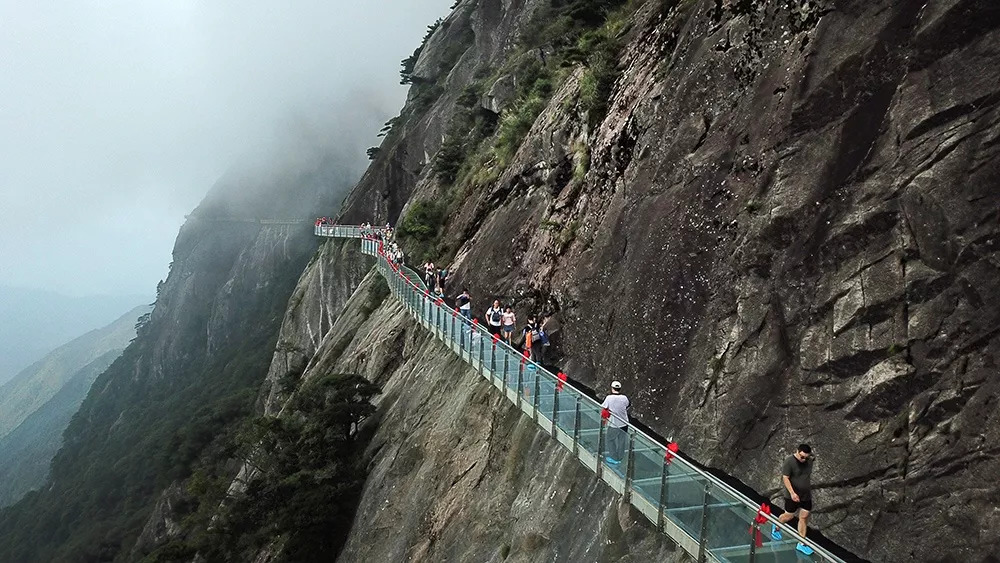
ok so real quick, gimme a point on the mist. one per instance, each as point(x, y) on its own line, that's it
point(117, 117)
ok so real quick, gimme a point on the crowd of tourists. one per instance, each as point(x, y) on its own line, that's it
point(532, 340)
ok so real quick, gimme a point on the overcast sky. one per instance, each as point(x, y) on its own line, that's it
point(116, 116)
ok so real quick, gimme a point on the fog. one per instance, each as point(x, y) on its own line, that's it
point(116, 117)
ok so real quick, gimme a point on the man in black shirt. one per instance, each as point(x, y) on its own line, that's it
point(796, 472)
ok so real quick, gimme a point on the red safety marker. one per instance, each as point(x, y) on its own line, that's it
point(762, 513)
point(496, 338)
point(525, 356)
point(672, 449)
point(605, 415)
point(562, 380)
point(475, 323)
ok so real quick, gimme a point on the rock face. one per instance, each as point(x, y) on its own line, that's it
point(457, 475)
point(785, 227)
point(788, 231)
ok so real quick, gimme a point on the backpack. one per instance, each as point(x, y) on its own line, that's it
point(495, 316)
point(543, 336)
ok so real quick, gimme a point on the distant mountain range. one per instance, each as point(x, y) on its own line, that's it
point(33, 322)
point(38, 403)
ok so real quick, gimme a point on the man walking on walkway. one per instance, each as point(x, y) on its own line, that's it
point(494, 318)
point(796, 473)
point(465, 304)
point(617, 405)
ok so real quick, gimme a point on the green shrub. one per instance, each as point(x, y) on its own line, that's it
point(448, 160)
point(568, 235)
point(514, 126)
point(406, 72)
point(311, 470)
point(421, 228)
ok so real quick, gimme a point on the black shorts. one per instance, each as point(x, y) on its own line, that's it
point(804, 504)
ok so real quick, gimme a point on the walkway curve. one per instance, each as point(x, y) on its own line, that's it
point(701, 513)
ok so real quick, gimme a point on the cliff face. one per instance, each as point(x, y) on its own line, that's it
point(193, 370)
point(784, 229)
point(455, 474)
point(774, 222)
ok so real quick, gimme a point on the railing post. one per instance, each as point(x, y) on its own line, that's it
point(520, 381)
point(461, 337)
point(664, 496)
point(555, 408)
point(703, 539)
point(630, 468)
point(534, 400)
point(493, 363)
point(451, 336)
point(506, 368)
point(482, 352)
point(576, 428)
point(754, 534)
point(601, 436)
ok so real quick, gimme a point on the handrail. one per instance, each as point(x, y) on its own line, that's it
point(710, 536)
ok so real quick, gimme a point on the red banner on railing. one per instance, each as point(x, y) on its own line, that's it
point(672, 449)
point(605, 415)
point(762, 513)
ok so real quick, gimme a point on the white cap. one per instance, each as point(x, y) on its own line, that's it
point(616, 384)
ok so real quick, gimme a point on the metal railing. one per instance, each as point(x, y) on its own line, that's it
point(701, 513)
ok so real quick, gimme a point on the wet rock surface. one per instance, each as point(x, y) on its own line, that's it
point(789, 231)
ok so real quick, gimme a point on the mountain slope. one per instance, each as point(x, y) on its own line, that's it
point(37, 321)
point(41, 381)
point(25, 453)
point(193, 369)
point(774, 222)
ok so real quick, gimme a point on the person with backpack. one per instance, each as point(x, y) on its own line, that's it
point(538, 352)
point(509, 320)
point(537, 344)
point(494, 318)
point(464, 303)
point(442, 276)
point(429, 273)
point(531, 339)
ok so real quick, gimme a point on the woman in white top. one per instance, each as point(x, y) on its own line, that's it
point(509, 320)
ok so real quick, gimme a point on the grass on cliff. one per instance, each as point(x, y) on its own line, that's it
point(559, 37)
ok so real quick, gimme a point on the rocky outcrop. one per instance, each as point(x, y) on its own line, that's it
point(788, 232)
point(456, 474)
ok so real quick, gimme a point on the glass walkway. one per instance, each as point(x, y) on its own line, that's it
point(707, 518)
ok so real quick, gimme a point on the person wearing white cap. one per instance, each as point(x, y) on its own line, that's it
point(617, 433)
